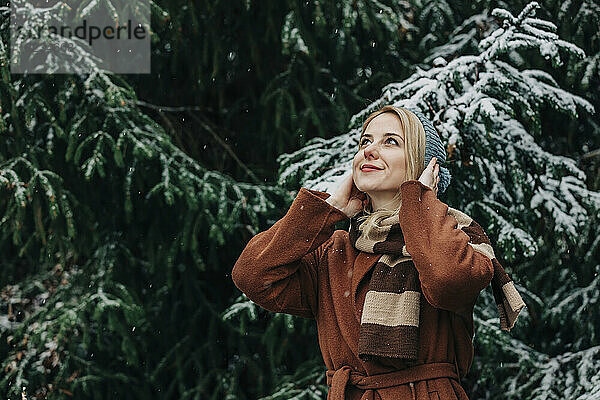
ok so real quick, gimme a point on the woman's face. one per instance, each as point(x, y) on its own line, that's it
point(382, 145)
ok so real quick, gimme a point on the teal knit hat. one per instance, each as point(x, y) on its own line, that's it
point(434, 148)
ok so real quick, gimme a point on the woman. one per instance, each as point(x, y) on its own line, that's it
point(393, 298)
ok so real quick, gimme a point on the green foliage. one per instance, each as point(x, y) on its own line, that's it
point(104, 232)
point(306, 383)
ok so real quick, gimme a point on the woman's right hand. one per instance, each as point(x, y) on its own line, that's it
point(348, 198)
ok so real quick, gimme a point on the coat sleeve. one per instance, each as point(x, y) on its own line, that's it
point(453, 268)
point(278, 267)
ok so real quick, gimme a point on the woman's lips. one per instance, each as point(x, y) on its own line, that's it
point(368, 169)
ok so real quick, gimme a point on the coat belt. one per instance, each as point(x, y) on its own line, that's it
point(345, 375)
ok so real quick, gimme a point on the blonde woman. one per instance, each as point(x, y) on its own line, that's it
point(393, 297)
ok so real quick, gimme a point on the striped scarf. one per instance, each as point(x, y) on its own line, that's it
point(389, 325)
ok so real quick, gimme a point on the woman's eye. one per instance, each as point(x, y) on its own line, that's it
point(362, 142)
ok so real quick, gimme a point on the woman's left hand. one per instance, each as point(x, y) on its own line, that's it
point(431, 175)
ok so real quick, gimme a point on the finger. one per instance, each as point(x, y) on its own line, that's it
point(346, 187)
point(428, 166)
point(354, 192)
point(432, 162)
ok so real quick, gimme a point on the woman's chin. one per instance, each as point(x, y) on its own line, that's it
point(368, 185)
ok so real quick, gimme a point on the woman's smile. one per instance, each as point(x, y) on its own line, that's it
point(370, 169)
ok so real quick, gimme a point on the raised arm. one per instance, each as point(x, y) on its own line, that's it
point(447, 248)
point(278, 267)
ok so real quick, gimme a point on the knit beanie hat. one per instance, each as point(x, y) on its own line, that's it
point(434, 148)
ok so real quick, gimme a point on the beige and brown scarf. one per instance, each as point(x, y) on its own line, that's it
point(389, 324)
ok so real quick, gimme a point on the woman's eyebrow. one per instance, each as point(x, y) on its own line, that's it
point(385, 134)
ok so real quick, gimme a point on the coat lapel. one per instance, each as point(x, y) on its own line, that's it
point(362, 264)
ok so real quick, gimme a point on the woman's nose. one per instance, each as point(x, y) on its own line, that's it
point(371, 150)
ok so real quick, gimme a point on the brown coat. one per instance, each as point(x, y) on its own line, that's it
point(301, 266)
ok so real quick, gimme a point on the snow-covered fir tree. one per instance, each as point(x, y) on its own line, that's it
point(488, 108)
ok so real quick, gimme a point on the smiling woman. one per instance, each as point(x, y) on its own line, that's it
point(393, 140)
point(394, 310)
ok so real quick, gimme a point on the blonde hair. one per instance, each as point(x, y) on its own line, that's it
point(414, 142)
